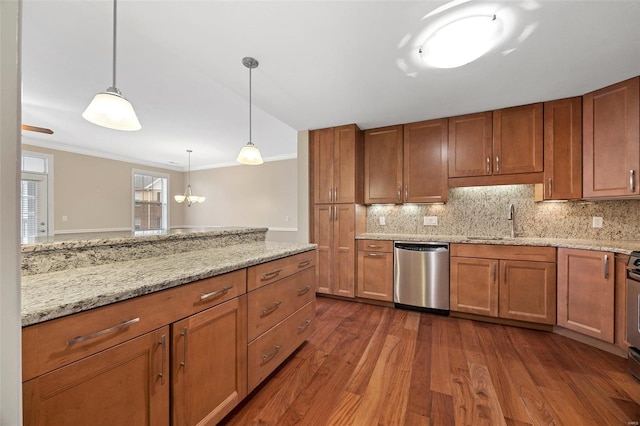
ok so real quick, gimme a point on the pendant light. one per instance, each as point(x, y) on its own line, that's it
point(188, 194)
point(250, 154)
point(110, 109)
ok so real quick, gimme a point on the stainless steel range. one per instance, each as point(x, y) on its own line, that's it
point(633, 313)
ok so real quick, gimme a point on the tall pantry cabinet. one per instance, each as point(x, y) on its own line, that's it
point(336, 164)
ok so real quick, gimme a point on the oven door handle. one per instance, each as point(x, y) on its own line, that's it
point(633, 274)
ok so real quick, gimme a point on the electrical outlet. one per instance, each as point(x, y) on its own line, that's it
point(597, 222)
point(382, 221)
point(430, 220)
point(65, 218)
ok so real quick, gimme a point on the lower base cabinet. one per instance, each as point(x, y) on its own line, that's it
point(510, 282)
point(375, 270)
point(208, 367)
point(586, 292)
point(127, 384)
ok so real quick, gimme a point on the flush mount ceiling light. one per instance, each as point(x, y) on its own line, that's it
point(461, 41)
point(188, 194)
point(250, 154)
point(110, 109)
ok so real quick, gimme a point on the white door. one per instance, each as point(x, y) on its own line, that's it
point(34, 205)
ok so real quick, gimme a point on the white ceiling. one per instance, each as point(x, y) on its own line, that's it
point(322, 63)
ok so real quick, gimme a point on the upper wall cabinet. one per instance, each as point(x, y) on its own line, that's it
point(337, 164)
point(563, 149)
point(383, 165)
point(425, 162)
point(611, 144)
point(470, 145)
point(406, 164)
point(500, 147)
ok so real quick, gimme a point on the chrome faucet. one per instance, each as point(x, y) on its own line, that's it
point(510, 218)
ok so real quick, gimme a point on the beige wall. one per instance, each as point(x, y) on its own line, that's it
point(263, 195)
point(95, 193)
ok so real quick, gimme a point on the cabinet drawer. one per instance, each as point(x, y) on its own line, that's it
point(375, 245)
point(488, 251)
point(266, 273)
point(271, 304)
point(58, 342)
point(269, 350)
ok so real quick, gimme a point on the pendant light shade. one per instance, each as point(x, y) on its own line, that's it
point(188, 196)
point(109, 108)
point(250, 154)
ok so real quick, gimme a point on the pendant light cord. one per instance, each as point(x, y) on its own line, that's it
point(115, 10)
point(189, 151)
point(250, 106)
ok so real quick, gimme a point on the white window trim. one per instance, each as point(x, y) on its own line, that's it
point(133, 201)
point(50, 195)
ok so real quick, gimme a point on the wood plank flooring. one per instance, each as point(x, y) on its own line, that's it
point(371, 365)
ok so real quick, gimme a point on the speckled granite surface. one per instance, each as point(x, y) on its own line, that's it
point(79, 251)
point(51, 295)
point(623, 247)
point(482, 211)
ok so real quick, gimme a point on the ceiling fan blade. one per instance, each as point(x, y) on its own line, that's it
point(37, 129)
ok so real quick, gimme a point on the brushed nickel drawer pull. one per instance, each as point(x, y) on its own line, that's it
point(267, 357)
point(497, 164)
point(303, 290)
point(216, 293)
point(162, 343)
point(266, 311)
point(374, 254)
point(374, 246)
point(183, 363)
point(550, 193)
point(270, 275)
point(304, 263)
point(304, 326)
point(606, 266)
point(488, 165)
point(335, 194)
point(399, 193)
point(80, 339)
point(406, 193)
point(632, 180)
point(330, 195)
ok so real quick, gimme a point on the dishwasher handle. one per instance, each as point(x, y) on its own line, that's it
point(422, 246)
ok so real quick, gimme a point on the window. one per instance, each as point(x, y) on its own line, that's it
point(150, 208)
point(36, 195)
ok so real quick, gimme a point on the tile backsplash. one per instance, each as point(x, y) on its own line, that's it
point(482, 211)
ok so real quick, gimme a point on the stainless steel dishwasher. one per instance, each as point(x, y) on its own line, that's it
point(421, 276)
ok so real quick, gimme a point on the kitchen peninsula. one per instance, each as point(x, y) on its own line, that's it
point(114, 310)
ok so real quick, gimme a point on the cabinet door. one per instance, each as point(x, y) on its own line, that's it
point(344, 250)
point(208, 364)
point(425, 162)
point(127, 384)
point(323, 237)
point(563, 149)
point(322, 142)
point(383, 165)
point(474, 286)
point(586, 292)
point(528, 291)
point(517, 140)
point(375, 275)
point(470, 145)
point(344, 168)
point(611, 156)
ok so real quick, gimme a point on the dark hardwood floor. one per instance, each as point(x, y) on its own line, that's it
point(370, 365)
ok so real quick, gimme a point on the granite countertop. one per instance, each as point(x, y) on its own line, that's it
point(51, 295)
point(614, 246)
point(94, 239)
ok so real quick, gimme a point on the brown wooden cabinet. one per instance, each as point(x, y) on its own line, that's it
point(586, 292)
point(125, 384)
point(406, 164)
point(383, 165)
point(611, 144)
point(209, 363)
point(510, 282)
point(334, 233)
point(500, 147)
point(425, 162)
point(337, 164)
point(375, 270)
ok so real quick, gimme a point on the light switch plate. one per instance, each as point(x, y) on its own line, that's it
point(597, 222)
point(430, 220)
point(382, 221)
